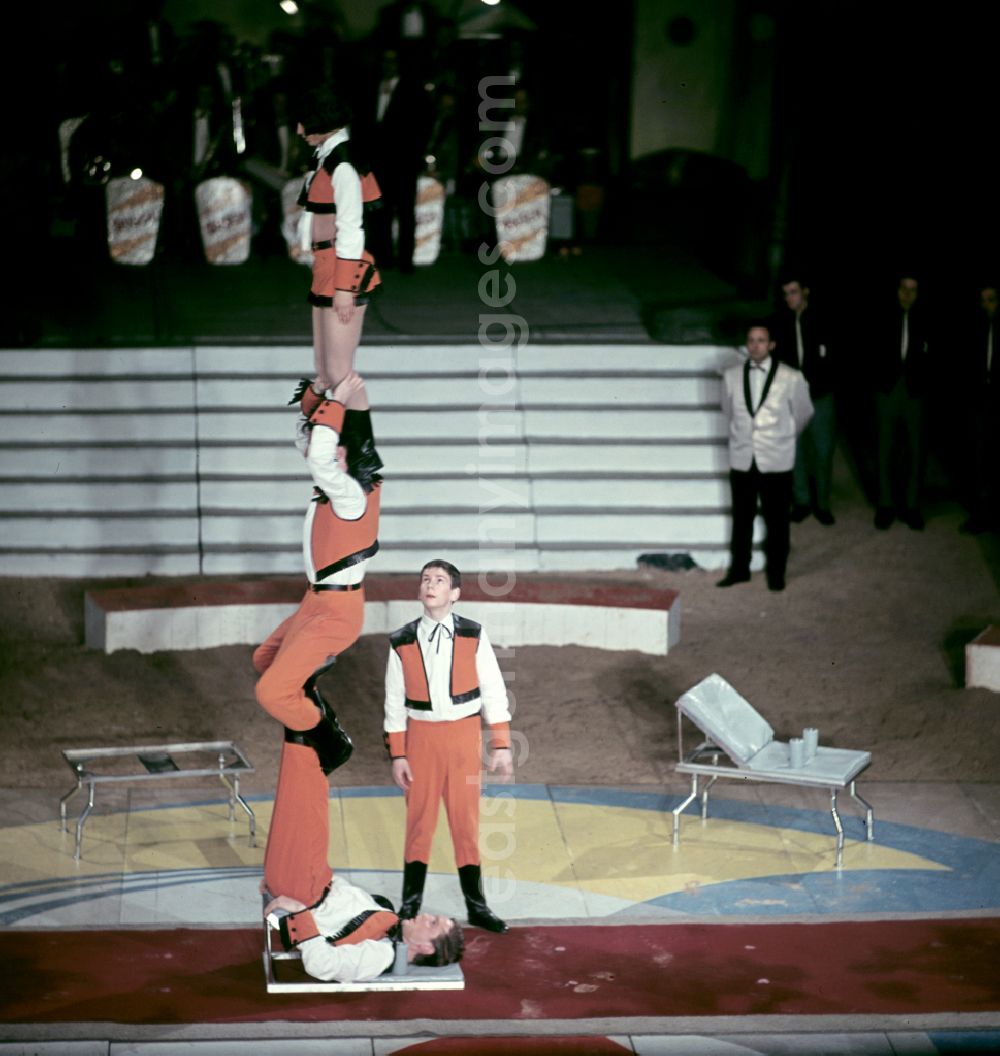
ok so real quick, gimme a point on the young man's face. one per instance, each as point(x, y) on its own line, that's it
point(796, 296)
point(759, 343)
point(907, 293)
point(436, 593)
point(988, 301)
point(424, 928)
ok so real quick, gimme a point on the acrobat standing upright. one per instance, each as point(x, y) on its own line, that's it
point(334, 199)
point(442, 673)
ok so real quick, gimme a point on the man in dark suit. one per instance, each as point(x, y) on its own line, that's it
point(394, 122)
point(802, 341)
point(900, 368)
point(979, 401)
point(522, 146)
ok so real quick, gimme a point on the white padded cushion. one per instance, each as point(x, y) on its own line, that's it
point(724, 716)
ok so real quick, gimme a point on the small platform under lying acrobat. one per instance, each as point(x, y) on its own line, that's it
point(283, 974)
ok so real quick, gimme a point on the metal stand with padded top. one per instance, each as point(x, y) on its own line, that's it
point(735, 729)
point(158, 762)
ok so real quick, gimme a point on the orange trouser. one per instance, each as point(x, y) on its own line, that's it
point(445, 758)
point(296, 862)
point(324, 625)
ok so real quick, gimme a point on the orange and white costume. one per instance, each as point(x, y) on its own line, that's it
point(347, 937)
point(338, 194)
point(340, 536)
point(442, 683)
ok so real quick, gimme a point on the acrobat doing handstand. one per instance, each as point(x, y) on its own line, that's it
point(341, 931)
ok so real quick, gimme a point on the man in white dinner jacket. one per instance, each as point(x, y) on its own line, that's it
point(767, 406)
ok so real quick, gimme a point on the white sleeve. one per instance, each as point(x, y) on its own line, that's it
point(348, 963)
point(302, 435)
point(491, 683)
point(345, 494)
point(395, 695)
point(350, 240)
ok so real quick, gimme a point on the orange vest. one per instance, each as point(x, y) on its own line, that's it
point(464, 685)
point(338, 543)
point(371, 924)
point(375, 925)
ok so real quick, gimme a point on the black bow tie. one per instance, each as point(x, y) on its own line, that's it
point(434, 634)
point(756, 366)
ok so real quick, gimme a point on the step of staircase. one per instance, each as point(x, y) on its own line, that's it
point(179, 461)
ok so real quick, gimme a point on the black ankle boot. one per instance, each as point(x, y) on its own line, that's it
point(480, 914)
point(327, 738)
point(363, 461)
point(414, 874)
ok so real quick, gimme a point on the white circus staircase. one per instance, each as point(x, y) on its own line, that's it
point(179, 461)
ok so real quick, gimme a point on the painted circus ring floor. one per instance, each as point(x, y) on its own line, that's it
point(744, 939)
point(549, 853)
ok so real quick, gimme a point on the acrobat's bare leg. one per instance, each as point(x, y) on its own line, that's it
point(334, 346)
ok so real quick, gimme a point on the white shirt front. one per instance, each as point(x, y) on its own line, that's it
point(437, 655)
point(758, 376)
point(385, 90)
point(351, 961)
point(201, 137)
point(514, 134)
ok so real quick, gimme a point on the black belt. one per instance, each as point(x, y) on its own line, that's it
point(327, 243)
point(315, 587)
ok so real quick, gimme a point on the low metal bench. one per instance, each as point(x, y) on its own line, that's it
point(157, 762)
point(734, 729)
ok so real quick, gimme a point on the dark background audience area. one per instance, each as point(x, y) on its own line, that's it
point(877, 156)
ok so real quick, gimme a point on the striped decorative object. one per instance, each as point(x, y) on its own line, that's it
point(224, 216)
point(134, 208)
point(430, 220)
point(522, 206)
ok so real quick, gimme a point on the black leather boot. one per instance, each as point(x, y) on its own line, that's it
point(480, 914)
point(414, 874)
point(363, 461)
point(327, 738)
